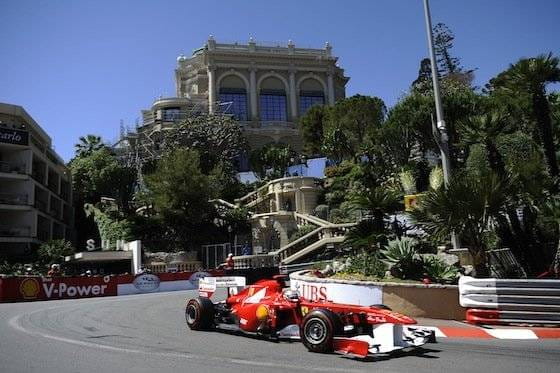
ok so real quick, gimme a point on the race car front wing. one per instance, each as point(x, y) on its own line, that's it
point(386, 338)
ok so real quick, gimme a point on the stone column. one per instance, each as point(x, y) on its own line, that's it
point(277, 201)
point(211, 89)
point(293, 96)
point(330, 87)
point(253, 93)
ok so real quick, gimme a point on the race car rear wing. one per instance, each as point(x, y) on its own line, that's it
point(208, 285)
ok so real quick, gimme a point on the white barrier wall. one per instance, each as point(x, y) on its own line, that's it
point(356, 294)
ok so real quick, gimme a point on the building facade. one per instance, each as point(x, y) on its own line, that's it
point(266, 88)
point(35, 186)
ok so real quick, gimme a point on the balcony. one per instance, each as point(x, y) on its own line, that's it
point(43, 234)
point(12, 167)
point(41, 205)
point(38, 175)
point(55, 213)
point(13, 199)
point(53, 187)
point(281, 124)
point(9, 231)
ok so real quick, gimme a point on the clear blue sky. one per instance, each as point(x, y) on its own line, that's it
point(79, 67)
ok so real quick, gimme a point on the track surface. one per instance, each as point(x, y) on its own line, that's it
point(147, 333)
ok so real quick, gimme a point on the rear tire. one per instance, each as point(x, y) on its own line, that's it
point(318, 329)
point(199, 313)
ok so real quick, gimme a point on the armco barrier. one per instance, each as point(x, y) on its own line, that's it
point(21, 289)
point(505, 301)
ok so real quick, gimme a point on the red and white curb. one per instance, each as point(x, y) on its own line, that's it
point(482, 333)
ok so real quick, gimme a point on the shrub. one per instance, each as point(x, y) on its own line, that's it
point(402, 258)
point(437, 270)
point(54, 251)
point(368, 264)
point(302, 231)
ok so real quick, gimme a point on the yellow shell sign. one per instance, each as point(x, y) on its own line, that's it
point(29, 288)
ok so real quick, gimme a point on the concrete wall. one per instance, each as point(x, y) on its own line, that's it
point(433, 302)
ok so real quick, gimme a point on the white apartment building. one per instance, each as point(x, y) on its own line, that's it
point(266, 87)
point(35, 186)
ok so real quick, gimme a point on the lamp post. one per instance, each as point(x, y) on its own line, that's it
point(440, 129)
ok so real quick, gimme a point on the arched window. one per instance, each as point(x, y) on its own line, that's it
point(272, 100)
point(310, 94)
point(233, 97)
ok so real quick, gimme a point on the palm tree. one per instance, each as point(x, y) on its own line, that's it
point(551, 211)
point(87, 145)
point(485, 129)
point(468, 206)
point(532, 76)
point(378, 201)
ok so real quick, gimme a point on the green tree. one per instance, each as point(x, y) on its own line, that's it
point(99, 174)
point(378, 202)
point(271, 161)
point(87, 145)
point(311, 126)
point(551, 210)
point(468, 206)
point(54, 251)
point(95, 175)
point(449, 67)
point(350, 124)
point(531, 76)
point(180, 193)
point(217, 139)
point(485, 129)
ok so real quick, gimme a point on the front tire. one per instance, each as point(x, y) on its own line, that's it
point(199, 313)
point(318, 329)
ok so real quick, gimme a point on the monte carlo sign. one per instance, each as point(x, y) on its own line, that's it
point(13, 136)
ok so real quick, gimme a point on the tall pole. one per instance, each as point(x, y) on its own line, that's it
point(443, 140)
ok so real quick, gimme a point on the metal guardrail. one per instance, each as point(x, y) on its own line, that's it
point(504, 301)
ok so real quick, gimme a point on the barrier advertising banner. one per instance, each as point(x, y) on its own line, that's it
point(361, 295)
point(161, 282)
point(47, 288)
point(18, 289)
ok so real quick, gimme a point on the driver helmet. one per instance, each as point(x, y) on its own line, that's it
point(291, 295)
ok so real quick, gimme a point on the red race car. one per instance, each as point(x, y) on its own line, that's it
point(268, 308)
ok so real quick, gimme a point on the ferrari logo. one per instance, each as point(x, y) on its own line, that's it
point(304, 310)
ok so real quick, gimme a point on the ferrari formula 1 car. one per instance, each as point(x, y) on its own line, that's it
point(268, 309)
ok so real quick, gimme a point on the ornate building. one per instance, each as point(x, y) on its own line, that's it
point(266, 88)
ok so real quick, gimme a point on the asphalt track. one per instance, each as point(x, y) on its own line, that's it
point(147, 333)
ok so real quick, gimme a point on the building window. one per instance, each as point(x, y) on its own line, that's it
point(171, 114)
point(308, 99)
point(273, 105)
point(234, 101)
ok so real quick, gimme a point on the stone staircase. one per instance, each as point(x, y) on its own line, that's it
point(324, 235)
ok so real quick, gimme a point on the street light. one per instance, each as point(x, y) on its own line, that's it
point(440, 131)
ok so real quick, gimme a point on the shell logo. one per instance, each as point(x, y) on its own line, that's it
point(29, 288)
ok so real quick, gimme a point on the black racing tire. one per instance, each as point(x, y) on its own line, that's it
point(318, 329)
point(382, 306)
point(199, 313)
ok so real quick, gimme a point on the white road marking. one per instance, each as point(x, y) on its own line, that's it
point(512, 333)
point(15, 323)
